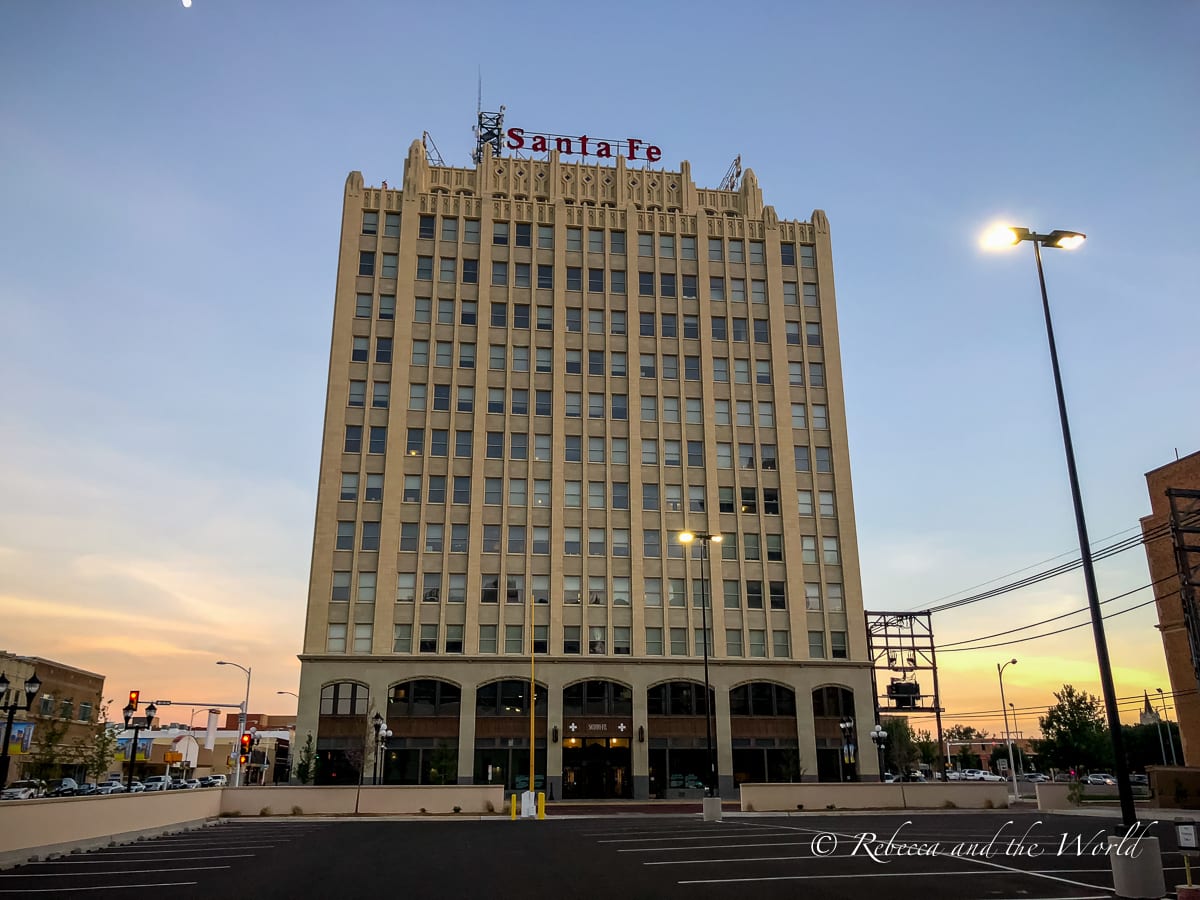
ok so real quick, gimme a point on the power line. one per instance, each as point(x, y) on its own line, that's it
point(1073, 612)
point(1131, 701)
point(1034, 637)
point(1026, 568)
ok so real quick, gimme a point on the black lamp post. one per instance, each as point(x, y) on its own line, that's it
point(132, 721)
point(33, 684)
point(1069, 240)
point(382, 733)
point(687, 537)
point(849, 750)
point(880, 736)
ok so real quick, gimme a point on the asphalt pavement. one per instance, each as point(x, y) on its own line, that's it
point(998, 855)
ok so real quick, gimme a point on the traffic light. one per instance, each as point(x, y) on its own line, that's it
point(133, 698)
point(243, 759)
point(247, 740)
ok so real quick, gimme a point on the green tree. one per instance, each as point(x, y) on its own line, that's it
point(927, 748)
point(98, 750)
point(901, 753)
point(306, 762)
point(1074, 732)
point(49, 753)
point(964, 736)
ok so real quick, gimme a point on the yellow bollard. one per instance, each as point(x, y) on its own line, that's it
point(541, 806)
point(514, 807)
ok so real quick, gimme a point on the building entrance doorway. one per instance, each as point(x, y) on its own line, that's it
point(597, 768)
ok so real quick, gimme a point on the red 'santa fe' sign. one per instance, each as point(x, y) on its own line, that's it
point(583, 145)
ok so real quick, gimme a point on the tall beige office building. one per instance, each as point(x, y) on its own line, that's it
point(542, 372)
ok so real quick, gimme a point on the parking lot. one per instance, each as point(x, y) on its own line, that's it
point(995, 855)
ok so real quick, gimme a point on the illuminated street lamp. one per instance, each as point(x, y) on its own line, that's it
point(687, 537)
point(998, 238)
point(237, 772)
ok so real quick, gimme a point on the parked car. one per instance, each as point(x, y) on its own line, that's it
point(192, 783)
point(1034, 777)
point(62, 787)
point(23, 790)
point(157, 783)
point(954, 775)
point(85, 789)
point(912, 776)
point(110, 787)
point(1065, 776)
point(1142, 780)
point(1100, 778)
point(218, 781)
point(136, 788)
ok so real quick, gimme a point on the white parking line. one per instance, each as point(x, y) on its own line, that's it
point(713, 847)
point(106, 874)
point(999, 871)
point(703, 837)
point(124, 860)
point(969, 859)
point(116, 851)
point(99, 887)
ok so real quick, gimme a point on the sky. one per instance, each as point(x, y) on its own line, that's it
point(170, 197)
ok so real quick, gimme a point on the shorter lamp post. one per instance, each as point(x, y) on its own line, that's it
point(33, 684)
point(879, 736)
point(1012, 771)
point(132, 721)
point(382, 733)
point(849, 751)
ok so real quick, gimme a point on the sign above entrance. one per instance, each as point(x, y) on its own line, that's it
point(577, 728)
point(542, 142)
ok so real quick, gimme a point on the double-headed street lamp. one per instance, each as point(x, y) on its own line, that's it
point(1007, 734)
point(132, 721)
point(382, 733)
point(1003, 236)
point(237, 772)
point(33, 684)
point(687, 537)
point(880, 736)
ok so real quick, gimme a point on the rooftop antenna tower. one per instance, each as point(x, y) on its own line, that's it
point(730, 181)
point(432, 155)
point(489, 127)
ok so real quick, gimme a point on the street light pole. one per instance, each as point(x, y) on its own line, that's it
point(879, 735)
point(687, 537)
point(131, 721)
point(237, 772)
point(1012, 771)
point(33, 684)
point(1069, 240)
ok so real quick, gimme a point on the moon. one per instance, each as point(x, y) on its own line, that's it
point(187, 4)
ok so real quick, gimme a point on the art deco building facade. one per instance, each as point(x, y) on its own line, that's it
point(541, 373)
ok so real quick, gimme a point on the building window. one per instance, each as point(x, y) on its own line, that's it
point(758, 642)
point(335, 641)
point(679, 642)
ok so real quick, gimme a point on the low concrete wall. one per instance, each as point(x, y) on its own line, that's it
point(866, 795)
point(40, 827)
point(374, 800)
point(1176, 787)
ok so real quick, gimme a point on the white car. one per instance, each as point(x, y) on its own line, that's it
point(157, 783)
point(23, 790)
point(110, 787)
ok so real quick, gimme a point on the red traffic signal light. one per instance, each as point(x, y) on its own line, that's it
point(133, 698)
point(247, 738)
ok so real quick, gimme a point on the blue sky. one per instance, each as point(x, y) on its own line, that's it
point(170, 194)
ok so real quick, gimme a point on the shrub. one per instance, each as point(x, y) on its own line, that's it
point(424, 812)
point(458, 809)
point(265, 811)
point(988, 804)
point(949, 804)
point(799, 806)
point(297, 811)
point(491, 807)
point(830, 806)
